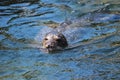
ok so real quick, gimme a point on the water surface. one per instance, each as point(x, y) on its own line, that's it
point(96, 56)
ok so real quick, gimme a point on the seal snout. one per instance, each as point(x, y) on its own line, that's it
point(50, 45)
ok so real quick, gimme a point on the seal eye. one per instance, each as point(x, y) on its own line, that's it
point(45, 39)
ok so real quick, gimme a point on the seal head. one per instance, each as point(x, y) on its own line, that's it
point(54, 41)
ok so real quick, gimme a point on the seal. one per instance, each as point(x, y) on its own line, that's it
point(54, 41)
point(73, 31)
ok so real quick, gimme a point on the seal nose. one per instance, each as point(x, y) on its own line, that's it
point(49, 46)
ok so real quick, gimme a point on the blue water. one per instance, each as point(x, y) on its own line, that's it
point(93, 36)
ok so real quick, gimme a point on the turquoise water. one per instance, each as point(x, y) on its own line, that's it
point(94, 36)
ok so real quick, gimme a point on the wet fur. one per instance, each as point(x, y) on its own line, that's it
point(54, 41)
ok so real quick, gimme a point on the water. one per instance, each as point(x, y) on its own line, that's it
point(95, 50)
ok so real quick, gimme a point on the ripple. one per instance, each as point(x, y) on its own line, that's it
point(92, 30)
